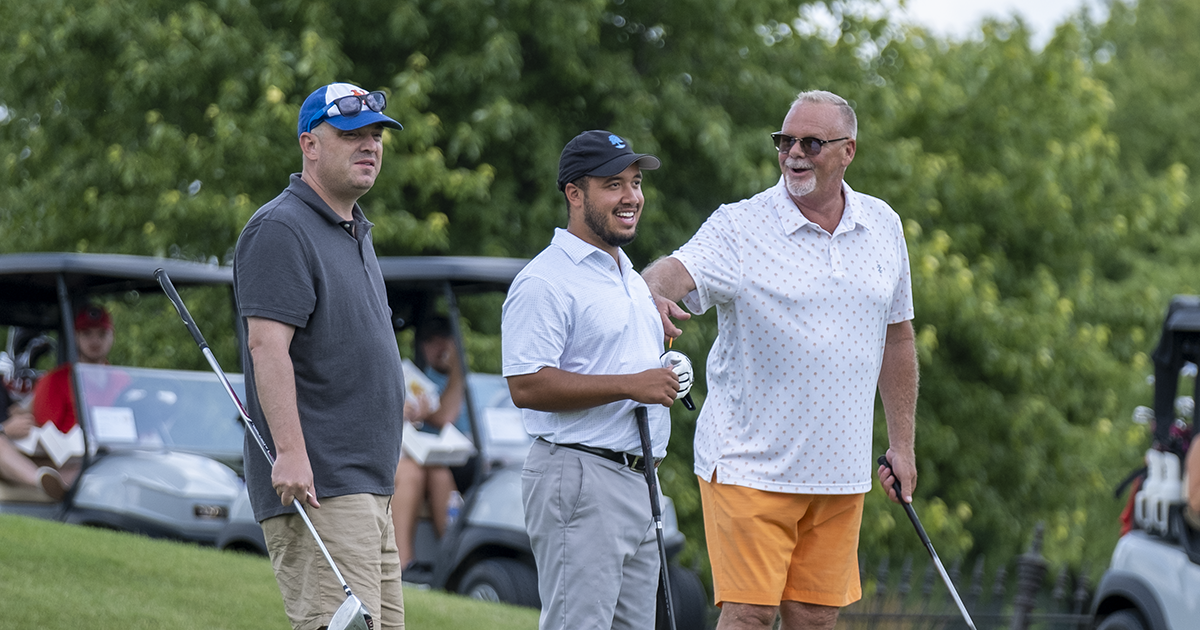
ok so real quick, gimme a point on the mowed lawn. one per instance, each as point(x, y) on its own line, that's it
point(64, 576)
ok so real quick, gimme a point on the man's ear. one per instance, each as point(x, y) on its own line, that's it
point(574, 194)
point(575, 197)
point(309, 142)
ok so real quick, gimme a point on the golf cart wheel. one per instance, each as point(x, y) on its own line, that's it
point(688, 599)
point(502, 580)
point(1127, 619)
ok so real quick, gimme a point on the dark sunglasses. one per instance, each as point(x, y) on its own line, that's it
point(352, 106)
point(810, 146)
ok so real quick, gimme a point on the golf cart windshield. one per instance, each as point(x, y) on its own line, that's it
point(138, 408)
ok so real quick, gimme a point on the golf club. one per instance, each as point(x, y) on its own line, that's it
point(352, 614)
point(655, 510)
point(937, 562)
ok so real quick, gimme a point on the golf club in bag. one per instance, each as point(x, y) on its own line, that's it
point(352, 614)
point(937, 562)
point(655, 509)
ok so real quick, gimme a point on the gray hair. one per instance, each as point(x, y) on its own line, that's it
point(829, 98)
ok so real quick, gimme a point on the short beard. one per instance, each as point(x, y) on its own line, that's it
point(595, 220)
point(799, 189)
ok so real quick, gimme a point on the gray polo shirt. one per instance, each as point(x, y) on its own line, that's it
point(295, 263)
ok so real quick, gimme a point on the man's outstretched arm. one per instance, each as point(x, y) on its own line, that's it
point(669, 281)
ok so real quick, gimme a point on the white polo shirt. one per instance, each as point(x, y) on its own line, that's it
point(574, 309)
point(802, 317)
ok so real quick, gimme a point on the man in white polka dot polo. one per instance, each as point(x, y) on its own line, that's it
point(811, 284)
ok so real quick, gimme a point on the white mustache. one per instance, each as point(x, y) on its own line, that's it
point(796, 163)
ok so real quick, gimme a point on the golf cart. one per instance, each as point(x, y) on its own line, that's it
point(486, 553)
point(159, 450)
point(1154, 575)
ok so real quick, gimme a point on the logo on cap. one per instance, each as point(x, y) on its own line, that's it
point(616, 141)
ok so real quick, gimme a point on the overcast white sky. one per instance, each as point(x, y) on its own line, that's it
point(960, 17)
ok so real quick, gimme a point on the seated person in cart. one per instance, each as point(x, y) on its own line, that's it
point(416, 482)
point(53, 404)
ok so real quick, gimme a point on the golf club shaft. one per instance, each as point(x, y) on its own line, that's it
point(643, 424)
point(165, 282)
point(937, 562)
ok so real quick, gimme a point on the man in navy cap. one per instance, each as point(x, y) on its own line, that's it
point(581, 340)
point(323, 368)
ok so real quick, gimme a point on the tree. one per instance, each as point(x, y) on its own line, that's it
point(1046, 228)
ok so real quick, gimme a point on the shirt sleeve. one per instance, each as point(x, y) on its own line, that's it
point(902, 300)
point(535, 325)
point(274, 280)
point(712, 257)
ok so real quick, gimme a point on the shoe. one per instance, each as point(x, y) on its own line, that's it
point(52, 483)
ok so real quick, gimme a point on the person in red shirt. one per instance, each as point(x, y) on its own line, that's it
point(53, 401)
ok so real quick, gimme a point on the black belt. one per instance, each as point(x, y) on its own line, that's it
point(635, 462)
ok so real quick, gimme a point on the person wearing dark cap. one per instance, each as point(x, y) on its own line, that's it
point(323, 371)
point(581, 340)
point(54, 403)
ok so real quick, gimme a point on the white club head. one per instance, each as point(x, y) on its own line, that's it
point(352, 615)
point(682, 365)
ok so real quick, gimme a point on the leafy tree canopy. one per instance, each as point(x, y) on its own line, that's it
point(1045, 193)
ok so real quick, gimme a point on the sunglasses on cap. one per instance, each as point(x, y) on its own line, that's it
point(809, 145)
point(352, 105)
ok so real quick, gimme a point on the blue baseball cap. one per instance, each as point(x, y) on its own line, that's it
point(319, 107)
point(599, 154)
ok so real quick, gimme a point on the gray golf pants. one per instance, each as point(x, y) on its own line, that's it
point(593, 537)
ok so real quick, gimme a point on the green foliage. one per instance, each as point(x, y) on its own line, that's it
point(1045, 193)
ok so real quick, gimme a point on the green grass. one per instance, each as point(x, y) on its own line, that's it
point(65, 576)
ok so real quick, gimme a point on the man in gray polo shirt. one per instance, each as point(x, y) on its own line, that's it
point(581, 340)
point(322, 367)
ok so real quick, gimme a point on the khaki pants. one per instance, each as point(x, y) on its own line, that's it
point(357, 530)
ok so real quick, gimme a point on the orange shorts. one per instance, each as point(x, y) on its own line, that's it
point(768, 547)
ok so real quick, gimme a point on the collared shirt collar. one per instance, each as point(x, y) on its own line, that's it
point(791, 219)
point(578, 249)
point(301, 189)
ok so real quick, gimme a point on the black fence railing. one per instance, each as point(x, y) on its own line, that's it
point(1020, 595)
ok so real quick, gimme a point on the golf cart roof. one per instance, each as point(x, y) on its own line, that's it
point(29, 282)
point(467, 274)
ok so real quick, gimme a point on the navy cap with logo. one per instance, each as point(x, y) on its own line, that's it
point(599, 154)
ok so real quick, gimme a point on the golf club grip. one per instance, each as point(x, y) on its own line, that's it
point(908, 509)
point(643, 423)
point(687, 402)
point(883, 461)
point(164, 281)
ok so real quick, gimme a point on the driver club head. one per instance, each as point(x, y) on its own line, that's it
point(351, 615)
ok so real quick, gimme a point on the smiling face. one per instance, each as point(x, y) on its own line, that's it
point(609, 207)
point(816, 178)
point(342, 165)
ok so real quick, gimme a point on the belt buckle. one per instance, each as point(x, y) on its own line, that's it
point(637, 463)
